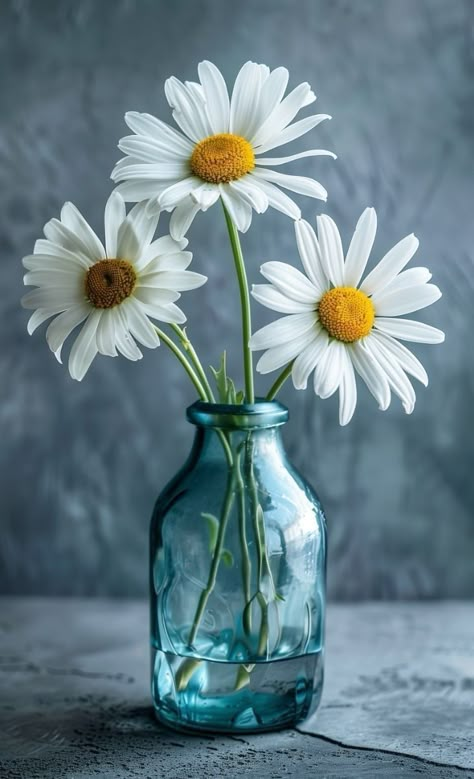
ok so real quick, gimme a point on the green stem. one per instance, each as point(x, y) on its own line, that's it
point(188, 347)
point(277, 385)
point(184, 362)
point(244, 303)
point(204, 597)
point(246, 565)
point(263, 635)
point(263, 563)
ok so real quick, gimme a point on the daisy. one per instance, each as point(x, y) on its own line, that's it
point(218, 153)
point(115, 290)
point(337, 326)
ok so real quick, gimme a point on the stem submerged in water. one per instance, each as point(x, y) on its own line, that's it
point(246, 564)
point(216, 557)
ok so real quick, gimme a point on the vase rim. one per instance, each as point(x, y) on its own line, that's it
point(244, 416)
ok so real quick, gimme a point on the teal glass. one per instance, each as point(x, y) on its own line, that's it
point(237, 579)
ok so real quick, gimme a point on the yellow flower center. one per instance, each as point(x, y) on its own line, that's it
point(346, 313)
point(109, 282)
point(222, 158)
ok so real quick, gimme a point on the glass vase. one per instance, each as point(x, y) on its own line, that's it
point(237, 579)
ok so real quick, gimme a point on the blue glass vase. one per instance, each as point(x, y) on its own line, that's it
point(237, 579)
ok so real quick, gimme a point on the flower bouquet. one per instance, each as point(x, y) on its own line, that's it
point(238, 538)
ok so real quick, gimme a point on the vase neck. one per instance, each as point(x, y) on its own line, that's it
point(225, 431)
point(245, 417)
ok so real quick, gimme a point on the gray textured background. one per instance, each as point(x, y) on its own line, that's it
point(81, 464)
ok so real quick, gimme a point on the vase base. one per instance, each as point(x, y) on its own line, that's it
point(193, 695)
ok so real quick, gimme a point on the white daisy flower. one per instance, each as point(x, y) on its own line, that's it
point(218, 152)
point(337, 325)
point(114, 290)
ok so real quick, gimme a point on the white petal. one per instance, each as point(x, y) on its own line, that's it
point(407, 300)
point(143, 224)
point(281, 355)
point(409, 330)
point(52, 297)
point(310, 254)
point(134, 191)
point(158, 172)
point(205, 196)
point(72, 218)
point(390, 265)
point(166, 245)
point(360, 247)
point(408, 278)
point(41, 315)
point(189, 112)
point(124, 341)
point(328, 373)
point(172, 261)
point(332, 256)
point(168, 313)
point(251, 194)
point(217, 97)
point(269, 133)
point(143, 150)
point(105, 337)
point(285, 329)
point(174, 194)
point(63, 325)
point(182, 218)
point(291, 282)
point(371, 373)
point(272, 298)
point(245, 114)
point(52, 250)
point(347, 391)
point(52, 277)
point(139, 324)
point(85, 347)
point(154, 150)
point(146, 124)
point(68, 263)
point(173, 280)
point(394, 373)
point(277, 199)
point(307, 360)
point(57, 233)
point(151, 294)
point(128, 242)
point(300, 184)
point(407, 359)
point(283, 160)
point(239, 210)
point(114, 215)
point(272, 91)
point(293, 132)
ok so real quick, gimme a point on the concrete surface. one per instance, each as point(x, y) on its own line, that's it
point(74, 702)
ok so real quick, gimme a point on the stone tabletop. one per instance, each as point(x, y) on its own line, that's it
point(74, 701)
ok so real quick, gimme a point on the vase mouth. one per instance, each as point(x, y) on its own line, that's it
point(244, 416)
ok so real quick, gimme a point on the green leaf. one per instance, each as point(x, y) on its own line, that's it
point(231, 393)
point(243, 676)
point(220, 375)
point(227, 558)
point(213, 527)
point(225, 386)
point(185, 671)
point(278, 596)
